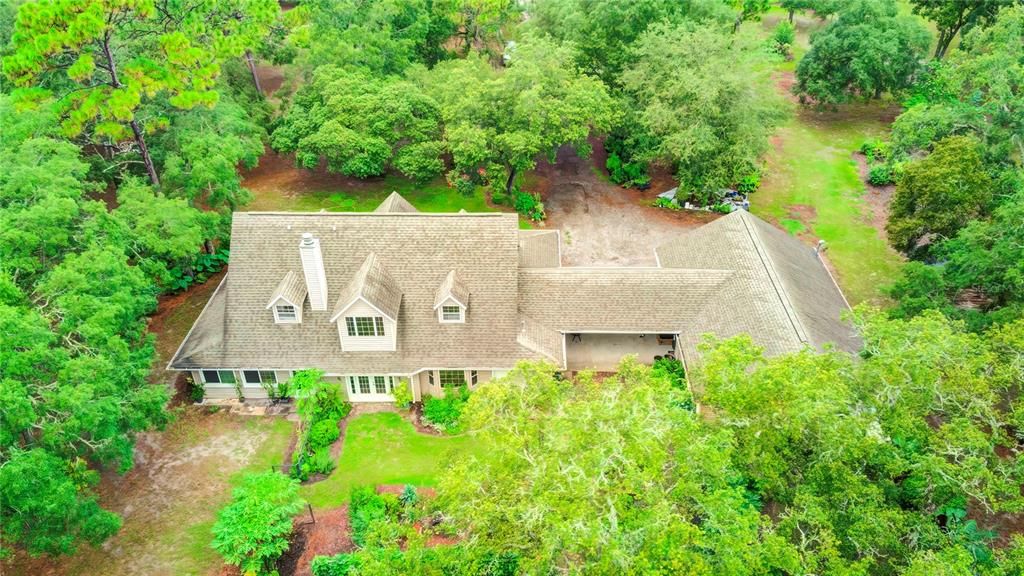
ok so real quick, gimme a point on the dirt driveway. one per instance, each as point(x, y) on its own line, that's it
point(603, 224)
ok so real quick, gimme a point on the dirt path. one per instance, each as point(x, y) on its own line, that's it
point(168, 501)
point(602, 223)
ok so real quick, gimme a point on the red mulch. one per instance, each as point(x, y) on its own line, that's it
point(330, 535)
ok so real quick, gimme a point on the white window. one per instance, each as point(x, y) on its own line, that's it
point(430, 377)
point(451, 313)
point(285, 314)
point(365, 325)
point(259, 377)
point(225, 377)
point(473, 377)
point(451, 378)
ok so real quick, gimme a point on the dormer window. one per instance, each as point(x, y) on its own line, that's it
point(451, 300)
point(285, 313)
point(365, 325)
point(452, 313)
point(286, 300)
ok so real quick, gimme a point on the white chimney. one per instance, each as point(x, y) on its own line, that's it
point(313, 270)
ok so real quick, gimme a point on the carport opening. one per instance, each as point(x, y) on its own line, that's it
point(603, 351)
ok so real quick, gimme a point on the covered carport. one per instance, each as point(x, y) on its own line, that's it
point(602, 351)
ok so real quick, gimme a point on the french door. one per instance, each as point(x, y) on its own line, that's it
point(371, 387)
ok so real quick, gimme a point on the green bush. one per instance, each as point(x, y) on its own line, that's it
point(323, 433)
point(784, 35)
point(366, 507)
point(876, 150)
point(528, 204)
point(339, 565)
point(408, 497)
point(749, 184)
point(880, 175)
point(667, 203)
point(499, 197)
point(252, 531)
point(445, 414)
point(626, 173)
point(196, 392)
point(402, 394)
point(321, 461)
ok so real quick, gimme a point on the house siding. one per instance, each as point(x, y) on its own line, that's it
point(425, 389)
point(384, 343)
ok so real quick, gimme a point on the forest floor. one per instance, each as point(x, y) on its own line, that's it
point(813, 186)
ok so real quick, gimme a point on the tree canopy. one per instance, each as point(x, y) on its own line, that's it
point(867, 51)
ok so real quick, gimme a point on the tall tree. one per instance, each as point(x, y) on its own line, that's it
point(104, 58)
point(938, 195)
point(499, 121)
point(706, 102)
point(867, 51)
point(604, 477)
point(952, 16)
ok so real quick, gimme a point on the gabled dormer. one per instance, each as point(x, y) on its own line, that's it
point(287, 299)
point(452, 300)
point(367, 310)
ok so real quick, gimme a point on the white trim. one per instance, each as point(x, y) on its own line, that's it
point(440, 312)
point(280, 297)
point(368, 303)
point(655, 332)
point(451, 297)
point(558, 233)
point(194, 324)
point(239, 381)
point(242, 371)
point(277, 316)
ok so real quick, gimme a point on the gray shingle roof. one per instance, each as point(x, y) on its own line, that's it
point(372, 283)
point(613, 299)
point(735, 275)
point(292, 288)
point(451, 287)
point(539, 249)
point(418, 251)
point(781, 294)
point(395, 203)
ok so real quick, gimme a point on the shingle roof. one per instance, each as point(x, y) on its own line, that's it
point(735, 275)
point(375, 285)
point(451, 287)
point(292, 288)
point(780, 294)
point(418, 250)
point(657, 300)
point(539, 249)
point(395, 203)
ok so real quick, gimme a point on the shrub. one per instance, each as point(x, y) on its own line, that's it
point(465, 186)
point(365, 508)
point(784, 34)
point(666, 203)
point(321, 462)
point(876, 150)
point(323, 433)
point(409, 497)
point(880, 175)
point(749, 183)
point(445, 414)
point(253, 529)
point(339, 565)
point(196, 392)
point(626, 173)
point(528, 204)
point(499, 197)
point(402, 394)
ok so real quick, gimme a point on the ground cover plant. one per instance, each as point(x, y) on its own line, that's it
point(445, 412)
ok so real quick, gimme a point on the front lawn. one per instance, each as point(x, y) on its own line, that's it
point(383, 448)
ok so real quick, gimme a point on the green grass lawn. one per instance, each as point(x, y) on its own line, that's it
point(383, 448)
point(811, 184)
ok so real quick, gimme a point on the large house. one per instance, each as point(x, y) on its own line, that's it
point(398, 297)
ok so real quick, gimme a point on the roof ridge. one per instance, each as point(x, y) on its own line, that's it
point(773, 275)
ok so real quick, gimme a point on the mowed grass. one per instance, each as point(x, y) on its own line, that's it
point(812, 184)
point(383, 448)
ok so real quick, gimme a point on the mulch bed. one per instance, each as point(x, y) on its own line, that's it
point(335, 451)
point(328, 536)
point(415, 417)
